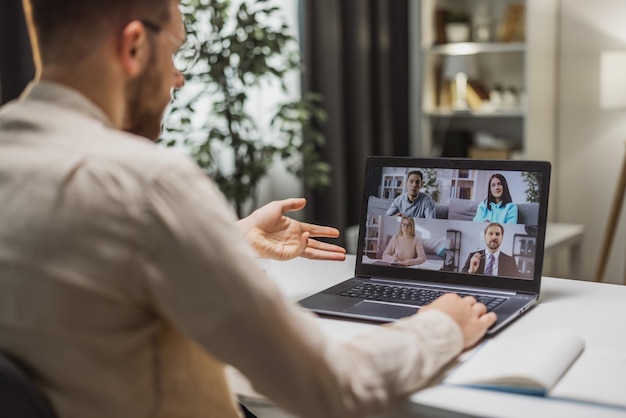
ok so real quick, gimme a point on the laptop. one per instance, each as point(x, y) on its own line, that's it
point(418, 241)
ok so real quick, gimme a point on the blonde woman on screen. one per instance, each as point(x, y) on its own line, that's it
point(405, 248)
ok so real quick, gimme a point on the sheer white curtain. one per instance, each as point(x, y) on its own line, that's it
point(279, 184)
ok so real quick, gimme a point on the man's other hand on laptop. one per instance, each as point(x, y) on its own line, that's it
point(471, 316)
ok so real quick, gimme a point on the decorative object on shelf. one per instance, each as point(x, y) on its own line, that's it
point(510, 98)
point(489, 147)
point(460, 68)
point(612, 96)
point(244, 45)
point(457, 27)
point(481, 23)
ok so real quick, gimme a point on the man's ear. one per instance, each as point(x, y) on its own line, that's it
point(133, 48)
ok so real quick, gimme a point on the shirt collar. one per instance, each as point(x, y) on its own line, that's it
point(496, 254)
point(66, 97)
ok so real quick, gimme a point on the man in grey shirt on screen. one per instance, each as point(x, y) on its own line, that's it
point(413, 203)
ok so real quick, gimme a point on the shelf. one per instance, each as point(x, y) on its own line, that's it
point(526, 65)
point(524, 247)
point(471, 48)
point(462, 184)
point(453, 250)
point(392, 186)
point(372, 231)
point(475, 114)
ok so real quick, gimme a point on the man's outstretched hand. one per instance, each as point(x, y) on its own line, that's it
point(274, 235)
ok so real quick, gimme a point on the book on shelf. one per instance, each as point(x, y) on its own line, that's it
point(463, 174)
point(465, 193)
point(477, 94)
point(441, 15)
point(443, 91)
point(511, 28)
point(554, 364)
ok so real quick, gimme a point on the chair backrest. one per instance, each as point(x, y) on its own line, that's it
point(19, 396)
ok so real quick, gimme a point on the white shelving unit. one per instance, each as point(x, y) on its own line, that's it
point(393, 186)
point(372, 232)
point(527, 65)
point(462, 185)
point(392, 182)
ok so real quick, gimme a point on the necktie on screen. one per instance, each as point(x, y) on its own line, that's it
point(489, 266)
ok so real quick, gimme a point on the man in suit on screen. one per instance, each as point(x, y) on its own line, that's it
point(491, 261)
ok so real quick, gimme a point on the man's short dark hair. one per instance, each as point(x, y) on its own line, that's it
point(417, 173)
point(65, 30)
point(494, 224)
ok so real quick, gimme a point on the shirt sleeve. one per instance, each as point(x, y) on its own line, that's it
point(430, 211)
point(204, 279)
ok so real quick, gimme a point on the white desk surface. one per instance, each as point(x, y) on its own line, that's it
point(596, 311)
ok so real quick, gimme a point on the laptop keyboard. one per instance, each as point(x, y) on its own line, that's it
point(409, 295)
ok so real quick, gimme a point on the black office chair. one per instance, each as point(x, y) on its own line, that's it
point(19, 397)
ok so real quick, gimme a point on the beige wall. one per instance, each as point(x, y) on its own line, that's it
point(590, 145)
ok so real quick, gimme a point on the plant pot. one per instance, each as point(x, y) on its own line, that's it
point(457, 32)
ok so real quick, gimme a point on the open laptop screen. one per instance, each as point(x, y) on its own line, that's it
point(468, 220)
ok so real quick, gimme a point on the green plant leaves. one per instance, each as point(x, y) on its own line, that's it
point(243, 47)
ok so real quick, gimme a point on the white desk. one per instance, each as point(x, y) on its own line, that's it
point(595, 311)
point(565, 237)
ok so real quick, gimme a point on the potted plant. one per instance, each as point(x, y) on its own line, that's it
point(532, 181)
point(431, 185)
point(242, 47)
point(457, 26)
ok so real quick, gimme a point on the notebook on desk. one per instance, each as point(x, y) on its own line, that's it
point(438, 225)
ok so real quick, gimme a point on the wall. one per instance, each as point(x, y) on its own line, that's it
point(590, 145)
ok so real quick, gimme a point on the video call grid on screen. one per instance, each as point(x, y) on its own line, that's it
point(454, 234)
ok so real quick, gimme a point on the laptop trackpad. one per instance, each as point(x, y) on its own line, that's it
point(381, 309)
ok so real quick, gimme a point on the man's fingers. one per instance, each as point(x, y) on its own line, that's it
point(317, 250)
point(470, 299)
point(320, 231)
point(315, 254)
point(324, 246)
point(480, 308)
point(292, 204)
point(489, 318)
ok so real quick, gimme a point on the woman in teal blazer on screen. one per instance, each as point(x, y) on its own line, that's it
point(498, 207)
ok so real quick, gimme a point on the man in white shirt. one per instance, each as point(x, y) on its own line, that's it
point(126, 280)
